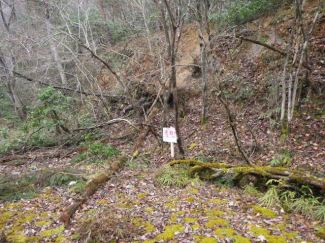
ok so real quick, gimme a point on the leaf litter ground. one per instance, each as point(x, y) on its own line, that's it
point(196, 213)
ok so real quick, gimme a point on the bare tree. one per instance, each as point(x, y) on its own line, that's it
point(102, 10)
point(203, 20)
point(173, 21)
point(53, 48)
point(142, 5)
point(289, 92)
point(7, 57)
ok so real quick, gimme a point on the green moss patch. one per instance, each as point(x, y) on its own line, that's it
point(217, 201)
point(213, 212)
point(33, 239)
point(52, 232)
point(241, 239)
point(209, 240)
point(225, 232)
point(276, 239)
point(289, 235)
point(43, 222)
point(102, 202)
point(196, 226)
point(170, 232)
point(216, 222)
point(18, 238)
point(257, 231)
point(268, 213)
point(320, 234)
point(4, 218)
point(149, 210)
point(190, 220)
point(148, 227)
point(28, 218)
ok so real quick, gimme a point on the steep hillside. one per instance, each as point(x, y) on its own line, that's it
point(250, 74)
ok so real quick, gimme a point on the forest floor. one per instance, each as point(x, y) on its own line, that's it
point(202, 212)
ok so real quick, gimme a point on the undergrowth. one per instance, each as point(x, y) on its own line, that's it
point(246, 11)
point(283, 158)
point(97, 153)
point(175, 176)
point(248, 189)
point(301, 200)
point(14, 187)
point(49, 122)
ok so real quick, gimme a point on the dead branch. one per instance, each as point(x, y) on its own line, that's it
point(134, 105)
point(7, 159)
point(232, 123)
point(283, 53)
point(110, 97)
point(106, 64)
point(114, 121)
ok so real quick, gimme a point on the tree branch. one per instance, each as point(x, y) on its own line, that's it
point(283, 53)
point(104, 124)
point(110, 68)
point(111, 97)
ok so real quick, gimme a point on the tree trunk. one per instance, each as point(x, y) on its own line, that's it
point(104, 17)
point(202, 14)
point(173, 80)
point(20, 108)
point(173, 30)
point(54, 50)
point(8, 15)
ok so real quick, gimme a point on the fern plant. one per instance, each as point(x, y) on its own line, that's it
point(275, 162)
point(320, 212)
point(270, 198)
point(174, 176)
point(248, 189)
point(305, 205)
point(287, 199)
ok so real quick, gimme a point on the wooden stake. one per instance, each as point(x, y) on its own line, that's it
point(172, 150)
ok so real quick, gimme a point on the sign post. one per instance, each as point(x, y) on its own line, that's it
point(170, 136)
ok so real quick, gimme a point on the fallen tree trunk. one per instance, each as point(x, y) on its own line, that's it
point(239, 171)
point(7, 159)
point(91, 189)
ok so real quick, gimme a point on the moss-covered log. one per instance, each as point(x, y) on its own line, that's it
point(91, 189)
point(238, 171)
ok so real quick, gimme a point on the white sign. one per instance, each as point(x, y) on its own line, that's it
point(169, 135)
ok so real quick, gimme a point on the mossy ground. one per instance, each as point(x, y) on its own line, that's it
point(34, 217)
point(202, 213)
